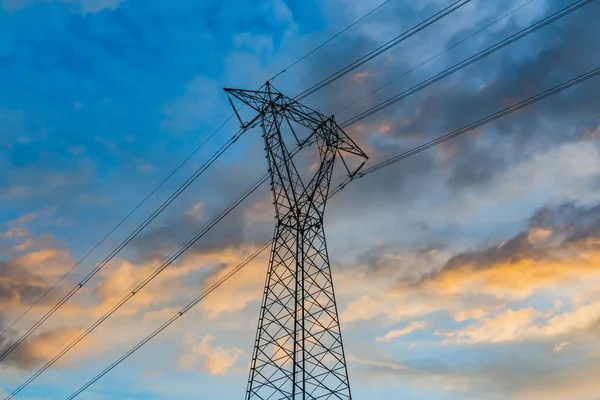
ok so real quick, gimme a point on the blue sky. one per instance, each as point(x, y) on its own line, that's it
point(468, 271)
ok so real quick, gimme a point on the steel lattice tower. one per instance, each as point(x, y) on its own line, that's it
point(298, 352)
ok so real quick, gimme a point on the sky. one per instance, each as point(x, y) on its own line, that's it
point(469, 271)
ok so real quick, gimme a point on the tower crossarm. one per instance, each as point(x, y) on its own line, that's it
point(271, 100)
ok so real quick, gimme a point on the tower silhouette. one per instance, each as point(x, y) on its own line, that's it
point(298, 352)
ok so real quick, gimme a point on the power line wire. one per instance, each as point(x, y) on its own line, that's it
point(329, 40)
point(483, 121)
point(459, 66)
point(514, 10)
point(122, 245)
point(474, 125)
point(383, 48)
point(75, 289)
point(168, 261)
point(94, 272)
point(175, 317)
point(64, 276)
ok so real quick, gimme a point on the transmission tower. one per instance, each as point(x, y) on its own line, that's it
point(298, 352)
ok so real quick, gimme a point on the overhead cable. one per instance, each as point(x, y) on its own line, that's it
point(383, 48)
point(465, 63)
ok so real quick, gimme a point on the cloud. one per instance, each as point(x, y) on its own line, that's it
point(243, 288)
point(391, 306)
point(517, 376)
point(480, 160)
point(34, 265)
point(503, 328)
point(555, 257)
point(40, 347)
point(248, 223)
point(469, 313)
point(176, 283)
point(212, 360)
point(26, 276)
point(557, 250)
point(162, 314)
point(526, 324)
point(437, 378)
point(456, 200)
point(410, 328)
point(560, 346)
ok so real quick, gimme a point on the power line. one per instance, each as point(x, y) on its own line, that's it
point(65, 275)
point(76, 288)
point(514, 10)
point(97, 269)
point(383, 48)
point(122, 245)
point(483, 121)
point(474, 125)
point(174, 318)
point(459, 66)
point(115, 252)
point(329, 40)
point(168, 261)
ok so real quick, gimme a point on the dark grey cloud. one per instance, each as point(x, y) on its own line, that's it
point(18, 286)
point(403, 261)
point(578, 222)
point(234, 230)
point(567, 225)
point(31, 352)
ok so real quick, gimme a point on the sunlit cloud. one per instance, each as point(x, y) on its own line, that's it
point(214, 360)
point(396, 333)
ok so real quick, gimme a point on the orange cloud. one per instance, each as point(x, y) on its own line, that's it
point(410, 328)
point(505, 327)
point(526, 324)
point(44, 346)
point(170, 283)
point(212, 360)
point(13, 233)
point(392, 306)
point(469, 313)
point(24, 277)
point(556, 257)
point(518, 279)
point(243, 288)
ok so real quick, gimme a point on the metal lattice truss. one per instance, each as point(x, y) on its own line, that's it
point(298, 352)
